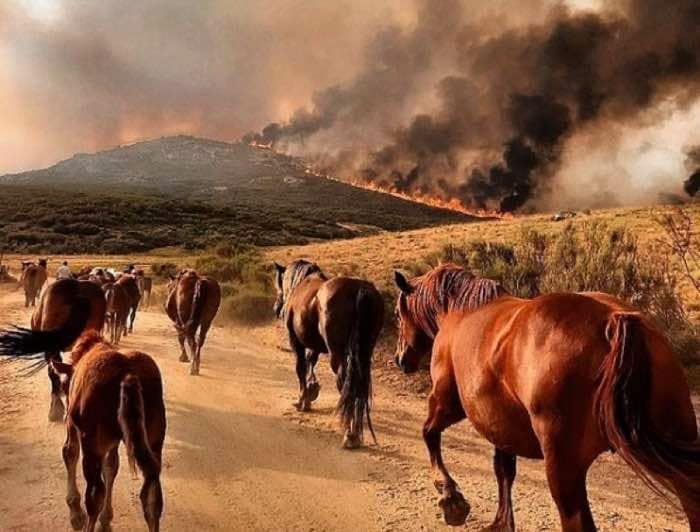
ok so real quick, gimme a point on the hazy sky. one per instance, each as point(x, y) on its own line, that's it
point(78, 75)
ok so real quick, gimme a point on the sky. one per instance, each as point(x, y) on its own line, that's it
point(79, 76)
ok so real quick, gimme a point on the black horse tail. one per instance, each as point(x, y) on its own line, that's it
point(200, 296)
point(355, 401)
point(22, 343)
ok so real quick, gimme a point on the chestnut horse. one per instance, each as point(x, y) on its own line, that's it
point(342, 317)
point(70, 307)
point(192, 304)
point(32, 280)
point(563, 377)
point(131, 287)
point(112, 397)
point(117, 310)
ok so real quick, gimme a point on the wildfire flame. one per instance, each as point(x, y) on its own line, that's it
point(452, 204)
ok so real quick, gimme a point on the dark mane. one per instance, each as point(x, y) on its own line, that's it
point(295, 273)
point(448, 287)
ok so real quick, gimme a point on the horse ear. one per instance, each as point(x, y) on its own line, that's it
point(281, 269)
point(402, 283)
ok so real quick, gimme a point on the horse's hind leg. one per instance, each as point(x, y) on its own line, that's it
point(56, 411)
point(566, 475)
point(197, 357)
point(303, 405)
point(312, 385)
point(95, 487)
point(110, 468)
point(504, 467)
point(71, 451)
point(183, 350)
point(444, 409)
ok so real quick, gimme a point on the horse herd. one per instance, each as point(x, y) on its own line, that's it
point(562, 377)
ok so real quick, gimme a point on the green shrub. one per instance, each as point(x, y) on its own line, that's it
point(164, 269)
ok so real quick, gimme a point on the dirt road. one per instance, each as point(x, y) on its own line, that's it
point(239, 457)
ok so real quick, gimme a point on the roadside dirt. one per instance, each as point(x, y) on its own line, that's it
point(239, 457)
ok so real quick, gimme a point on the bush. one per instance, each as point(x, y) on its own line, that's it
point(164, 269)
point(248, 308)
point(593, 257)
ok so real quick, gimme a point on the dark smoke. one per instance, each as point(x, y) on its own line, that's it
point(692, 184)
point(513, 99)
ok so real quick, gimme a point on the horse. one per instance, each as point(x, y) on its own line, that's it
point(145, 287)
point(131, 288)
point(112, 397)
point(342, 317)
point(192, 303)
point(71, 307)
point(32, 280)
point(117, 310)
point(562, 377)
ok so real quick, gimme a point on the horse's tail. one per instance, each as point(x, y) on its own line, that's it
point(198, 300)
point(355, 400)
point(623, 401)
point(132, 422)
point(19, 342)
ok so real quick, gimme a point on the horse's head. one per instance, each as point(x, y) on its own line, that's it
point(43, 263)
point(413, 343)
point(279, 285)
point(64, 372)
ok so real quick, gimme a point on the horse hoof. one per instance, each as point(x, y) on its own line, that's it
point(497, 526)
point(351, 442)
point(455, 509)
point(104, 527)
point(302, 405)
point(194, 371)
point(312, 391)
point(77, 520)
point(183, 358)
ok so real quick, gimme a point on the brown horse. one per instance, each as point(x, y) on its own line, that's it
point(342, 317)
point(145, 287)
point(112, 397)
point(69, 307)
point(117, 310)
point(192, 304)
point(131, 287)
point(32, 280)
point(563, 377)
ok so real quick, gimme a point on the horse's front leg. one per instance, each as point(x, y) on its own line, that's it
point(71, 452)
point(504, 467)
point(444, 409)
point(56, 411)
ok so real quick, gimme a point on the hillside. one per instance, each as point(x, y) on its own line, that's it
point(185, 191)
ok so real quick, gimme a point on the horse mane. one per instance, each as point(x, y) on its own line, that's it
point(294, 274)
point(84, 344)
point(446, 288)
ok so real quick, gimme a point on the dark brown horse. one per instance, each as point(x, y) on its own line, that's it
point(32, 280)
point(342, 317)
point(112, 397)
point(563, 377)
point(117, 310)
point(192, 303)
point(131, 287)
point(70, 307)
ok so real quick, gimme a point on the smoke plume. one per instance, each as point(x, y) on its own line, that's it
point(512, 100)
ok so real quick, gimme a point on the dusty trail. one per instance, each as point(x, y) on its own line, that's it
point(239, 457)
